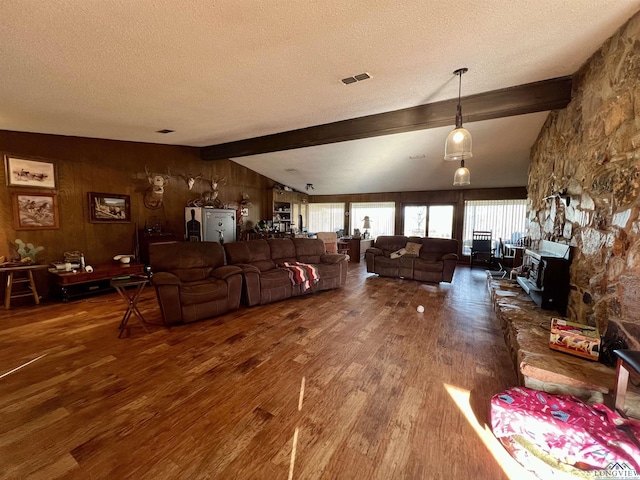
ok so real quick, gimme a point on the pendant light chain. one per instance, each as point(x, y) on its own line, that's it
point(459, 110)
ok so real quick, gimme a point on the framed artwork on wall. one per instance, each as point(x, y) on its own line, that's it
point(35, 211)
point(29, 172)
point(109, 208)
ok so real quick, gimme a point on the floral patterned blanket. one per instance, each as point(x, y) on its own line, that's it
point(586, 437)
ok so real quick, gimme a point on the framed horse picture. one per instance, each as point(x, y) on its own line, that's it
point(35, 211)
point(29, 172)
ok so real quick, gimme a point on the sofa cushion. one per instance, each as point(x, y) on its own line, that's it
point(413, 248)
point(203, 291)
point(282, 250)
point(274, 278)
point(309, 250)
point(388, 267)
point(431, 257)
point(390, 243)
point(168, 257)
point(252, 252)
point(192, 274)
point(438, 245)
point(428, 265)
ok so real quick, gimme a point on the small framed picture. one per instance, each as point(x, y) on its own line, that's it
point(29, 172)
point(35, 211)
point(109, 208)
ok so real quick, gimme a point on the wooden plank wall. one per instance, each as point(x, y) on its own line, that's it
point(94, 165)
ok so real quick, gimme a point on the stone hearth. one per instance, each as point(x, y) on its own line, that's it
point(526, 332)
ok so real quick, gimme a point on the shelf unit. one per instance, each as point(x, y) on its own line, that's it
point(282, 216)
point(294, 205)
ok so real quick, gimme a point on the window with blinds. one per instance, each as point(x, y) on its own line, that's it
point(504, 218)
point(326, 217)
point(382, 217)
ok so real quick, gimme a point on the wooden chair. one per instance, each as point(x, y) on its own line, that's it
point(482, 247)
point(343, 247)
point(506, 259)
point(330, 240)
point(332, 245)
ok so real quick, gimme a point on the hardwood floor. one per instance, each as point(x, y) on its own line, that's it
point(344, 384)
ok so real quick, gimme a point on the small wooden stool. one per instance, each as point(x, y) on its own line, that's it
point(11, 280)
point(628, 361)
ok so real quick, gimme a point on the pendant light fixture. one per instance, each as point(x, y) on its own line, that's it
point(462, 176)
point(458, 144)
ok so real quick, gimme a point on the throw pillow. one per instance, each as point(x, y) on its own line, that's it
point(398, 253)
point(413, 248)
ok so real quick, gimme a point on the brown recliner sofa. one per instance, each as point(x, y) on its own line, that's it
point(265, 283)
point(435, 262)
point(192, 282)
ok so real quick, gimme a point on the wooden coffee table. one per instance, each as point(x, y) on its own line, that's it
point(72, 285)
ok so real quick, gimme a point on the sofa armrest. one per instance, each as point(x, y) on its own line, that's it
point(374, 251)
point(449, 263)
point(332, 257)
point(165, 278)
point(226, 271)
point(167, 287)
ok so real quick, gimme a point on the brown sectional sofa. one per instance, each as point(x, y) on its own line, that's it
point(435, 262)
point(264, 283)
point(192, 282)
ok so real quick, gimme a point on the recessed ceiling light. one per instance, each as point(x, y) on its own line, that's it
point(166, 130)
point(355, 78)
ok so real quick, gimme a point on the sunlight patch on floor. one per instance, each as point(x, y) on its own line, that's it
point(512, 468)
point(295, 434)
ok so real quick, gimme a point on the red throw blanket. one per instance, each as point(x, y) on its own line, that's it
point(301, 274)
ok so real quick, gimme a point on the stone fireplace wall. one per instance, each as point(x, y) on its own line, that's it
point(589, 153)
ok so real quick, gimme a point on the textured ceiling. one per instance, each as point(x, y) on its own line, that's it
point(227, 70)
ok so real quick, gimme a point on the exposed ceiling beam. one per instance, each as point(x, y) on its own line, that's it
point(533, 97)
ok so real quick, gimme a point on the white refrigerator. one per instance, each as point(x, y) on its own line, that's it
point(209, 225)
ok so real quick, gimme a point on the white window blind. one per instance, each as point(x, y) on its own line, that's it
point(504, 218)
point(382, 216)
point(326, 217)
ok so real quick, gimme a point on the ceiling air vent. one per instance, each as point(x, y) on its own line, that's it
point(355, 78)
point(165, 131)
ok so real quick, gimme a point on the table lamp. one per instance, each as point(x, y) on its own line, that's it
point(366, 225)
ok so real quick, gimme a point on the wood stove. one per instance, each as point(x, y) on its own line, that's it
point(548, 281)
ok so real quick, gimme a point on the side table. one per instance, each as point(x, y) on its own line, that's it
point(131, 298)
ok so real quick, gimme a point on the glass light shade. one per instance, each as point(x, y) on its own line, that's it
point(458, 145)
point(462, 176)
point(367, 223)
